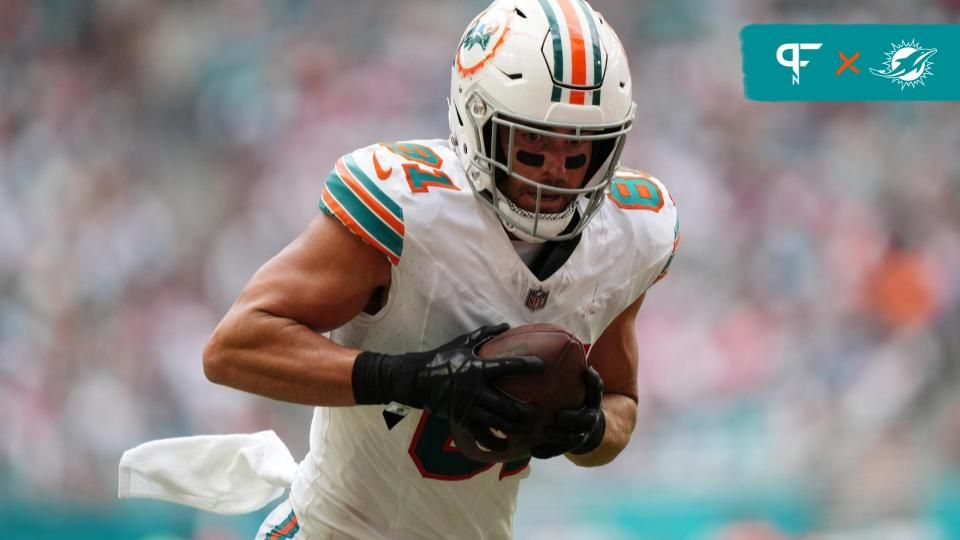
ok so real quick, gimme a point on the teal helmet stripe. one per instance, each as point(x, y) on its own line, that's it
point(595, 39)
point(557, 47)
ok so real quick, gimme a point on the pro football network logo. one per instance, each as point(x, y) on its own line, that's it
point(907, 64)
point(794, 62)
point(537, 298)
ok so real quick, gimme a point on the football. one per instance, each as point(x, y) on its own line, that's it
point(560, 386)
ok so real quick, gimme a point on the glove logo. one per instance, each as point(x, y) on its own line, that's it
point(907, 64)
point(537, 298)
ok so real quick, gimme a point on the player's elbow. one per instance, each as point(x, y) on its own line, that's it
point(213, 362)
point(231, 346)
point(216, 357)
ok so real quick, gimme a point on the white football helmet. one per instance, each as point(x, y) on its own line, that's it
point(552, 67)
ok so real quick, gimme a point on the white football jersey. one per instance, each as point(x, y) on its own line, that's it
point(453, 270)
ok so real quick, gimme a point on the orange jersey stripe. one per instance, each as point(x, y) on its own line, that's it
point(352, 224)
point(368, 199)
point(578, 49)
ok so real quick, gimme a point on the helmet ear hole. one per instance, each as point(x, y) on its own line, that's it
point(487, 132)
point(496, 154)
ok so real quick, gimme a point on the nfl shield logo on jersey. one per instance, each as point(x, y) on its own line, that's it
point(537, 298)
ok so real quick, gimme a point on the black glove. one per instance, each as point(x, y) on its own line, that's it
point(450, 382)
point(577, 431)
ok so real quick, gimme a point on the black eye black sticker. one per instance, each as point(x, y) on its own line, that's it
point(527, 158)
point(577, 161)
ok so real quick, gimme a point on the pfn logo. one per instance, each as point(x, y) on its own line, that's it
point(794, 62)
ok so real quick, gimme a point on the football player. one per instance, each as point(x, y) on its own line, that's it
point(422, 250)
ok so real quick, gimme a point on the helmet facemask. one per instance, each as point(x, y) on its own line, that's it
point(536, 217)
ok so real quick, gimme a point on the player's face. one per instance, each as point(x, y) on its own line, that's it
point(550, 161)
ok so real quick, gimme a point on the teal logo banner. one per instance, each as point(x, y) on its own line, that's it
point(856, 62)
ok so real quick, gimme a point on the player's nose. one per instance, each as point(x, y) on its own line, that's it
point(554, 165)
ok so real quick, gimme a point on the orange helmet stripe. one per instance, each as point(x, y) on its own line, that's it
point(577, 48)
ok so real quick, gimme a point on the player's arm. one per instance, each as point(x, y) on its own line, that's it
point(614, 356)
point(269, 342)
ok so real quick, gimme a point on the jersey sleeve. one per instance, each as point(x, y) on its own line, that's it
point(671, 216)
point(362, 193)
point(655, 222)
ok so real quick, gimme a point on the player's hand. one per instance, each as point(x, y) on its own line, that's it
point(456, 380)
point(577, 431)
point(451, 382)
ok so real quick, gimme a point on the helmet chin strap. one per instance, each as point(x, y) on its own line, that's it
point(549, 225)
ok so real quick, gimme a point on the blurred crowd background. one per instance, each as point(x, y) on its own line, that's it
point(799, 366)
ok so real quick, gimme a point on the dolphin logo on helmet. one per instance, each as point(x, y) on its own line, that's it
point(480, 35)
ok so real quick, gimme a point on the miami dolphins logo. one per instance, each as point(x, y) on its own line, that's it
point(482, 40)
point(907, 64)
point(479, 34)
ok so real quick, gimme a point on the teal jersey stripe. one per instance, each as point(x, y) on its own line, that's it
point(364, 216)
point(372, 188)
point(676, 234)
point(676, 226)
point(275, 533)
point(557, 48)
point(666, 267)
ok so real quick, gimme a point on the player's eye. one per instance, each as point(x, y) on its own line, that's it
point(574, 145)
point(530, 137)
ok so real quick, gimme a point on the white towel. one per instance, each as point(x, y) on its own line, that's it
point(226, 474)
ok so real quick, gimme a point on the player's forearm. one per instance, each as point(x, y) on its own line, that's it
point(279, 358)
point(620, 413)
